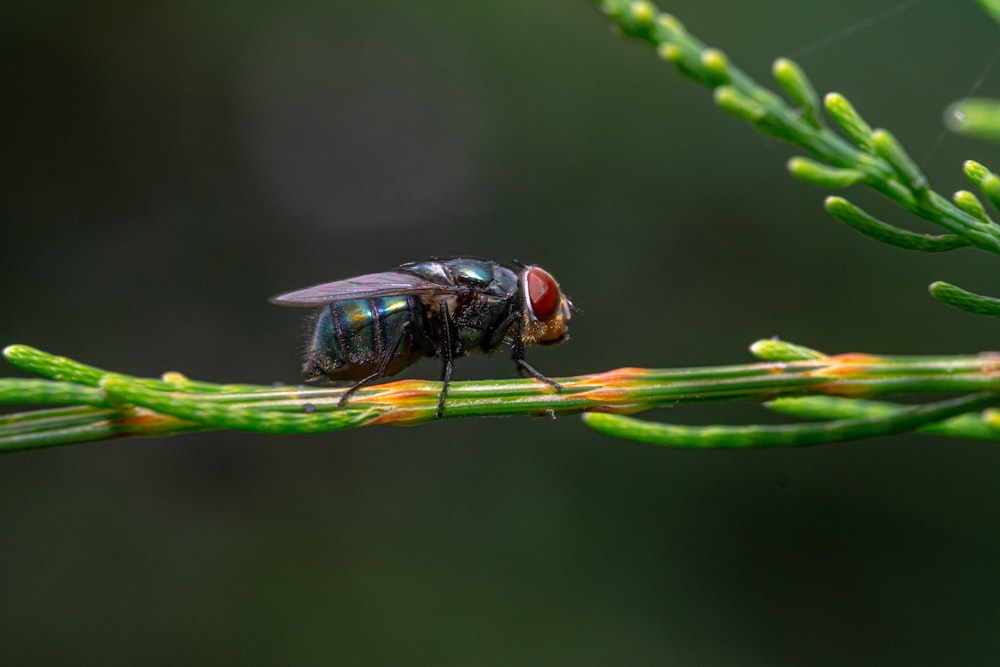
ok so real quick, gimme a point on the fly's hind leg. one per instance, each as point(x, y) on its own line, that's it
point(382, 365)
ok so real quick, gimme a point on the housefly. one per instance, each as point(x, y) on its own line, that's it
point(376, 325)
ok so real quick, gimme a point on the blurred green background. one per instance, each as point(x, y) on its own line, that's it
point(165, 167)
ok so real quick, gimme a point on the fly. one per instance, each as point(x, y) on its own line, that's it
point(376, 325)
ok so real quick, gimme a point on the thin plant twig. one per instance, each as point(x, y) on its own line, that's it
point(98, 405)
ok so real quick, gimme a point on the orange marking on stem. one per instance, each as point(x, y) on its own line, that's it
point(399, 391)
point(843, 390)
point(399, 386)
point(846, 365)
point(616, 376)
point(403, 415)
point(611, 395)
point(853, 358)
point(774, 366)
point(989, 363)
point(141, 418)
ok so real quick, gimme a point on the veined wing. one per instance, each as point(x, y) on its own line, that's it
point(388, 283)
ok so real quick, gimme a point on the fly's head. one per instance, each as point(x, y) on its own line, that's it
point(546, 309)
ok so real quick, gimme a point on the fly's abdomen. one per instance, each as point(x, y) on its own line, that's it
point(351, 337)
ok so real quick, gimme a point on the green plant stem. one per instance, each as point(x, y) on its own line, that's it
point(103, 405)
point(965, 300)
point(795, 435)
point(972, 425)
point(991, 7)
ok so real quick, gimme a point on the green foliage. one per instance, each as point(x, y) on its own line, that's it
point(992, 7)
point(964, 300)
point(975, 117)
point(851, 215)
point(873, 158)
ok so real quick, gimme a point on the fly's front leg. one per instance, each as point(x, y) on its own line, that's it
point(517, 354)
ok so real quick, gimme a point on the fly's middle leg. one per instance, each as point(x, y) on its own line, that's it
point(447, 355)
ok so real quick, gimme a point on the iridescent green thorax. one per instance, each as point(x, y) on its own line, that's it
point(490, 296)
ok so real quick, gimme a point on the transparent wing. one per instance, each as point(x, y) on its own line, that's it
point(389, 283)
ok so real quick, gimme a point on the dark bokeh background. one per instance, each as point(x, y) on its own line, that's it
point(165, 167)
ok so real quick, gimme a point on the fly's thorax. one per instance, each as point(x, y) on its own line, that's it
point(479, 319)
point(433, 309)
point(473, 318)
point(470, 275)
point(486, 296)
point(432, 305)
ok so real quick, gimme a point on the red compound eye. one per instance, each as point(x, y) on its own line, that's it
point(543, 293)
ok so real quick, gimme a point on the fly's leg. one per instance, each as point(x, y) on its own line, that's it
point(500, 331)
point(447, 354)
point(517, 354)
point(523, 366)
point(445, 381)
point(382, 365)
